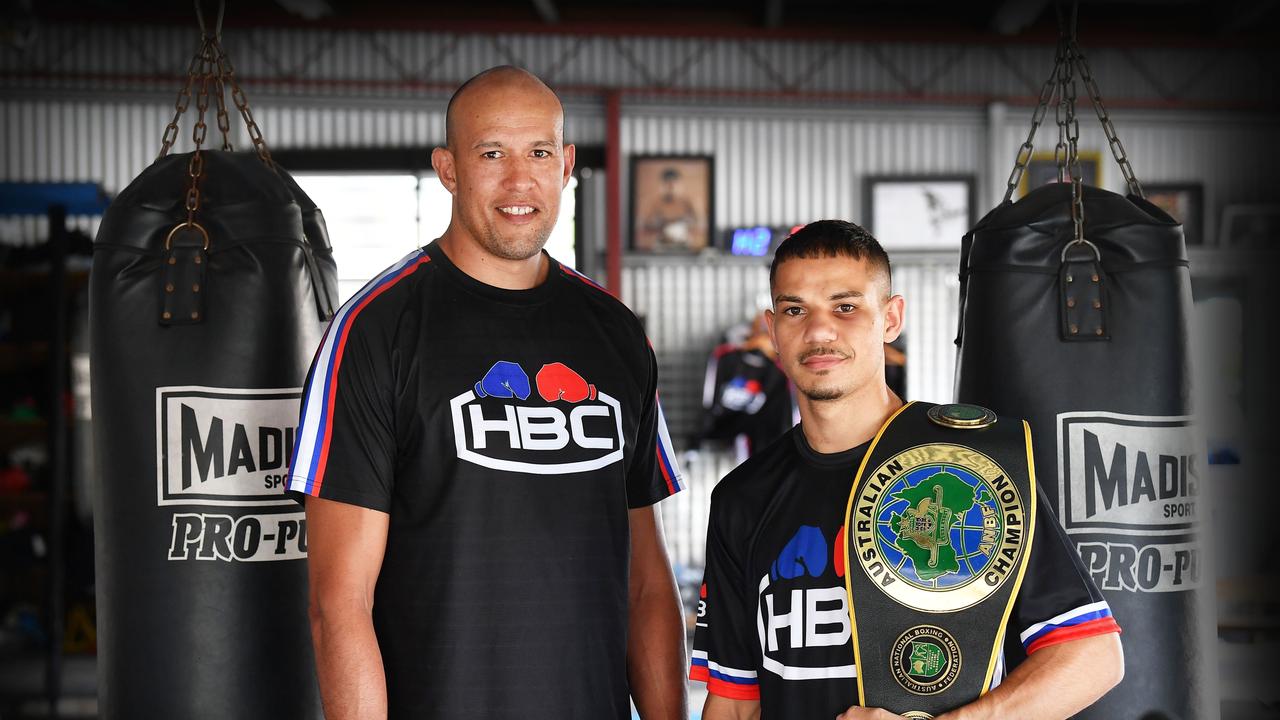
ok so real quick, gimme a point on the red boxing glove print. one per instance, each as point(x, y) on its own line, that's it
point(557, 381)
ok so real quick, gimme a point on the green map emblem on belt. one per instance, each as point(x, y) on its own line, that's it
point(939, 528)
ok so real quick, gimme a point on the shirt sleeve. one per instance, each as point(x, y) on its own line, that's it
point(722, 651)
point(1058, 600)
point(346, 447)
point(654, 473)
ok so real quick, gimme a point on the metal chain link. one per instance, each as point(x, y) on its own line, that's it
point(1037, 117)
point(1117, 149)
point(226, 72)
point(1073, 150)
point(1060, 152)
point(195, 167)
point(224, 122)
point(181, 104)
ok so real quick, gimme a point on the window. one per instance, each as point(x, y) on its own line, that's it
point(376, 219)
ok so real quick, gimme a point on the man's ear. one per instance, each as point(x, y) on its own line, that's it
point(894, 315)
point(768, 321)
point(442, 162)
point(570, 157)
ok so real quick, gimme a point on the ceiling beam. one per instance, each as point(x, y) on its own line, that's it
point(1014, 16)
point(1240, 16)
point(547, 11)
point(773, 14)
point(308, 9)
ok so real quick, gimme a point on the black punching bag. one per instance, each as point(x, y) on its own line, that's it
point(1089, 341)
point(199, 349)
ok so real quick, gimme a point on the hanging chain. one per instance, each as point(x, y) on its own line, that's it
point(1073, 150)
point(181, 104)
point(227, 74)
point(1037, 117)
point(1060, 153)
point(224, 122)
point(195, 167)
point(1117, 150)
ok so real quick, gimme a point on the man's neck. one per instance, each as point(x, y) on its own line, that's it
point(471, 258)
point(832, 426)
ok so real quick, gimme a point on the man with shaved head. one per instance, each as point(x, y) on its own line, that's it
point(481, 451)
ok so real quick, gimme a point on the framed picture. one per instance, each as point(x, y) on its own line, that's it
point(919, 212)
point(671, 203)
point(1250, 227)
point(1042, 169)
point(1185, 203)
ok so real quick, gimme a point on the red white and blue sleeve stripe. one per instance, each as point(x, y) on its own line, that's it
point(579, 276)
point(1084, 621)
point(310, 454)
point(667, 464)
point(722, 680)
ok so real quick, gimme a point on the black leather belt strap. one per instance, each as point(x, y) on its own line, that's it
point(938, 532)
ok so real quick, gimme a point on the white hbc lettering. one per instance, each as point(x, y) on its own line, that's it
point(813, 617)
point(538, 428)
point(520, 438)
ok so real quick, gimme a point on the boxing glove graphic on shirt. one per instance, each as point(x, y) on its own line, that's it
point(504, 380)
point(804, 554)
point(557, 381)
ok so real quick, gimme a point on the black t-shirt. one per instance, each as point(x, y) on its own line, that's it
point(507, 433)
point(773, 621)
point(747, 394)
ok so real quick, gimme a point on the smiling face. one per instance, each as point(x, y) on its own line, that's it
point(830, 320)
point(506, 164)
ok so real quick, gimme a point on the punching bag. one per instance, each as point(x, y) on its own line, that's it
point(200, 343)
point(1089, 342)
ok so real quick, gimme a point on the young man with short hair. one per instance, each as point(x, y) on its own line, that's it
point(773, 635)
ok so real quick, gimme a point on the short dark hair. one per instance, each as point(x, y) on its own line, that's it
point(832, 238)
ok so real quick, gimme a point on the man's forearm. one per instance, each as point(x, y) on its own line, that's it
point(349, 665)
point(1053, 683)
point(656, 654)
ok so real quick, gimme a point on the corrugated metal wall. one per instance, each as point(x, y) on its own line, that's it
point(90, 104)
point(688, 304)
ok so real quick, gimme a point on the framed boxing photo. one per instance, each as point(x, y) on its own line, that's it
point(671, 203)
point(1042, 169)
point(1184, 202)
point(921, 212)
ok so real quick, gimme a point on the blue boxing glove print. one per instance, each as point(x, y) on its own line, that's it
point(505, 379)
point(804, 554)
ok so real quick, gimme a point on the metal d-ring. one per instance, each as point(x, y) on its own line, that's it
point(1097, 254)
point(168, 241)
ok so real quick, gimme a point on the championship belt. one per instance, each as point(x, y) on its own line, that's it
point(938, 533)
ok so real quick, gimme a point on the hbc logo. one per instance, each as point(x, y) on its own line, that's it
point(222, 446)
point(802, 613)
point(579, 424)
